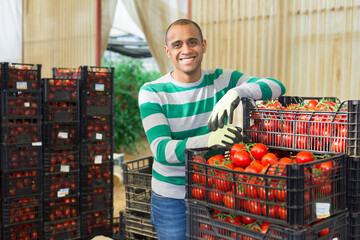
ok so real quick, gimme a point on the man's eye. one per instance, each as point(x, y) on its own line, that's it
point(177, 45)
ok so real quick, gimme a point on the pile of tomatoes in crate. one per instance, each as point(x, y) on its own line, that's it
point(316, 124)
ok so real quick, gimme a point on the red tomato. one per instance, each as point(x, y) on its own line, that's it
point(268, 159)
point(216, 160)
point(264, 227)
point(237, 147)
point(247, 220)
point(229, 200)
point(324, 232)
point(301, 142)
point(215, 196)
point(312, 103)
point(258, 150)
point(198, 193)
point(222, 183)
point(304, 157)
point(286, 160)
point(338, 145)
point(198, 178)
point(242, 159)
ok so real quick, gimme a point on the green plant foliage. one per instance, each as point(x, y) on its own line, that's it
point(129, 76)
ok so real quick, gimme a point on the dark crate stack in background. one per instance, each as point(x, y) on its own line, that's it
point(61, 112)
point(137, 181)
point(96, 124)
point(21, 152)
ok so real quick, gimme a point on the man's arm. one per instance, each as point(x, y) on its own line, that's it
point(243, 86)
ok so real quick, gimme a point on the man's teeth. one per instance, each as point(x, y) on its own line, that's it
point(187, 59)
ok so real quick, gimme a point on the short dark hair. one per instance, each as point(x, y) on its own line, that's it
point(183, 21)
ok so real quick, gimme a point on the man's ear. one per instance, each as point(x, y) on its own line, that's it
point(167, 50)
point(204, 45)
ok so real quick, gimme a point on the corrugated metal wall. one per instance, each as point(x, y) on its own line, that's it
point(59, 33)
point(311, 46)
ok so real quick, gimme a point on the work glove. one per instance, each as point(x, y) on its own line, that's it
point(225, 137)
point(222, 109)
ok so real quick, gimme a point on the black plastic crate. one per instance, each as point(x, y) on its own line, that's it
point(21, 210)
point(61, 100)
point(66, 73)
point(20, 157)
point(21, 131)
point(97, 104)
point(97, 79)
point(200, 225)
point(20, 77)
point(99, 199)
point(64, 135)
point(138, 199)
point(61, 208)
point(316, 131)
point(17, 105)
point(94, 223)
point(289, 195)
point(31, 231)
point(59, 185)
point(354, 226)
point(119, 227)
point(138, 172)
point(61, 160)
point(97, 129)
point(21, 183)
point(63, 229)
point(353, 184)
point(139, 223)
point(95, 176)
point(96, 153)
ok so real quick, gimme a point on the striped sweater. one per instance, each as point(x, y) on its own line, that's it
point(175, 115)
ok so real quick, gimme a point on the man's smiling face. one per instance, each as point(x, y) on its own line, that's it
point(185, 49)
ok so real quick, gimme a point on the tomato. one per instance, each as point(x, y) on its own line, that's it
point(312, 103)
point(198, 178)
point(282, 213)
point(216, 160)
point(198, 193)
point(277, 169)
point(215, 196)
point(257, 164)
point(255, 133)
point(279, 189)
point(228, 164)
point(222, 182)
point(268, 159)
point(247, 220)
point(304, 157)
point(342, 131)
point(236, 148)
point(270, 125)
point(264, 227)
point(196, 167)
point(302, 142)
point(324, 232)
point(288, 139)
point(325, 167)
point(229, 200)
point(262, 192)
point(285, 160)
point(258, 150)
point(242, 159)
point(302, 124)
point(338, 145)
point(251, 187)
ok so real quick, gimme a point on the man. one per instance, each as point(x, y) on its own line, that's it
point(188, 108)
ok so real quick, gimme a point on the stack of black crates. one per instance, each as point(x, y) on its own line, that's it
point(61, 112)
point(137, 181)
point(96, 151)
point(314, 200)
point(21, 152)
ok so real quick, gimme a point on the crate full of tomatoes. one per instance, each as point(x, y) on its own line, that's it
point(288, 188)
point(20, 77)
point(205, 223)
point(324, 125)
point(61, 100)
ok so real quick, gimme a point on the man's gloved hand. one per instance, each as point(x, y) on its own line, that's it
point(225, 137)
point(225, 107)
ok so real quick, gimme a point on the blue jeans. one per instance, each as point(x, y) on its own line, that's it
point(168, 216)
